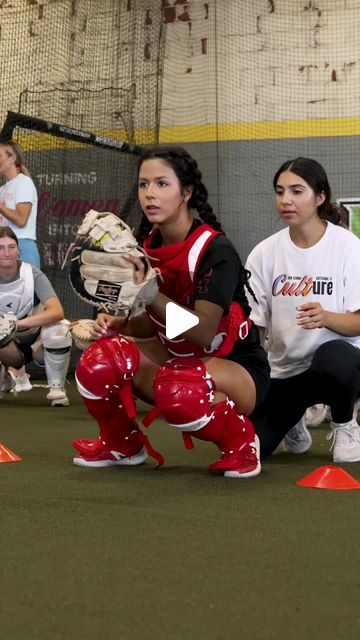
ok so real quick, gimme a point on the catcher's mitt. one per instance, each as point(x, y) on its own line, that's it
point(81, 333)
point(8, 323)
point(100, 275)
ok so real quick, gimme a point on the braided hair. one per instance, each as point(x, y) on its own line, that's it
point(188, 173)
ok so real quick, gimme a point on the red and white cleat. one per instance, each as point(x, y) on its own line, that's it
point(95, 453)
point(243, 463)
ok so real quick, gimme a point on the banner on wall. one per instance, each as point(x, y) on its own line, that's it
point(352, 207)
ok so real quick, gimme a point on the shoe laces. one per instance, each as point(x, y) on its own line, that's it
point(341, 430)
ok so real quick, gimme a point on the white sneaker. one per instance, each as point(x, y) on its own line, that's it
point(22, 383)
point(345, 441)
point(315, 415)
point(58, 397)
point(297, 439)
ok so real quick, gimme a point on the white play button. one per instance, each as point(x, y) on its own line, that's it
point(178, 320)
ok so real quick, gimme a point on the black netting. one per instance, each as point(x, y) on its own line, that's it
point(92, 66)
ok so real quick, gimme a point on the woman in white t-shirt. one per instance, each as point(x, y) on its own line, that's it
point(18, 201)
point(18, 210)
point(306, 279)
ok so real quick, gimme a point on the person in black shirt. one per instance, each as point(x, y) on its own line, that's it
point(216, 373)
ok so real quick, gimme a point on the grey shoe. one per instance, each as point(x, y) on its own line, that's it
point(297, 439)
point(315, 415)
point(345, 441)
point(6, 381)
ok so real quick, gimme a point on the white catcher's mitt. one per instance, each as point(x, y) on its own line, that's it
point(8, 323)
point(101, 276)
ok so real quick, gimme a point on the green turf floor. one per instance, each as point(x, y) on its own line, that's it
point(176, 553)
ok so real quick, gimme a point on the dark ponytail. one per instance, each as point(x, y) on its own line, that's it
point(315, 176)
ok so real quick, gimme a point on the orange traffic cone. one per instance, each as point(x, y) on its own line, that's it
point(329, 477)
point(6, 455)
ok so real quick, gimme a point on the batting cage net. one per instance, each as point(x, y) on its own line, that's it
point(80, 95)
point(89, 85)
point(75, 171)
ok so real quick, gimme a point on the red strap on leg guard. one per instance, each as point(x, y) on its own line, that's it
point(150, 416)
point(151, 451)
point(187, 440)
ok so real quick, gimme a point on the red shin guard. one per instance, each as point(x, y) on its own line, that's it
point(105, 370)
point(227, 428)
point(234, 434)
point(117, 430)
point(184, 395)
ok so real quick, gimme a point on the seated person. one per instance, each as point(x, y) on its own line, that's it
point(306, 279)
point(42, 333)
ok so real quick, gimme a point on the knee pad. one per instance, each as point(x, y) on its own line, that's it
point(105, 371)
point(56, 336)
point(184, 393)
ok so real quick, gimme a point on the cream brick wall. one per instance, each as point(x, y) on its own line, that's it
point(75, 45)
point(275, 60)
point(229, 61)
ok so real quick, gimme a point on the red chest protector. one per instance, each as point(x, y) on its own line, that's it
point(178, 264)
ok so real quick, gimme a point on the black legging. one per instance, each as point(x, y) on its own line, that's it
point(333, 379)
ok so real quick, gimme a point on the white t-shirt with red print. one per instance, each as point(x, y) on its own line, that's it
point(284, 276)
point(15, 191)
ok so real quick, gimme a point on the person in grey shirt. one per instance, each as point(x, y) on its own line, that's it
point(42, 334)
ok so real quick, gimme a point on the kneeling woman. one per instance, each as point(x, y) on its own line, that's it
point(306, 278)
point(204, 382)
point(42, 334)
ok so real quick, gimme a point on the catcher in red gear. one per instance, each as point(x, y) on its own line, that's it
point(205, 382)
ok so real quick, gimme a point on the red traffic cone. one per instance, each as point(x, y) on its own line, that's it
point(329, 477)
point(6, 455)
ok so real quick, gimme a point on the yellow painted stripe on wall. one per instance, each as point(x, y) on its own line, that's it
point(274, 130)
point(321, 127)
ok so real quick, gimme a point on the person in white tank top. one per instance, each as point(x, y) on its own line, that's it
point(42, 334)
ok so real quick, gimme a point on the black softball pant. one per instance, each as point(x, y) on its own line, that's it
point(333, 379)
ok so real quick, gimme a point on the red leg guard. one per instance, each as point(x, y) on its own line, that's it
point(184, 392)
point(117, 431)
point(234, 434)
point(106, 368)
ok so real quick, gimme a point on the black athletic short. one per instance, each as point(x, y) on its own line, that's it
point(256, 363)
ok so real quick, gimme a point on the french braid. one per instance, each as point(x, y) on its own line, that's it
point(189, 175)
